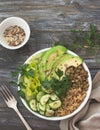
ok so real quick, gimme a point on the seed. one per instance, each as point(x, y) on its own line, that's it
point(14, 35)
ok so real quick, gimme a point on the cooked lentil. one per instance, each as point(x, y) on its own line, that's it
point(77, 92)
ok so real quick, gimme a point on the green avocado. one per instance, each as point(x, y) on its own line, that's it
point(48, 59)
point(64, 62)
point(41, 65)
point(72, 61)
point(55, 53)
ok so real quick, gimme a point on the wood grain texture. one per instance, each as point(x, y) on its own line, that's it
point(50, 21)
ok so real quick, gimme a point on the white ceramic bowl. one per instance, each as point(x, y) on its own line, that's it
point(12, 21)
point(78, 109)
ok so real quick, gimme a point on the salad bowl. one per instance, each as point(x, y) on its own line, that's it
point(40, 102)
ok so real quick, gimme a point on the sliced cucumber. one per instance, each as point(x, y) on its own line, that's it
point(42, 107)
point(49, 101)
point(49, 112)
point(44, 99)
point(29, 94)
point(33, 105)
point(38, 109)
point(47, 106)
point(54, 97)
point(46, 90)
point(42, 112)
point(39, 95)
point(55, 105)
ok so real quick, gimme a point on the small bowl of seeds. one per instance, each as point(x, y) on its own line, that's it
point(14, 33)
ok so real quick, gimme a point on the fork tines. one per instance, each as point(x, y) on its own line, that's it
point(5, 91)
point(11, 102)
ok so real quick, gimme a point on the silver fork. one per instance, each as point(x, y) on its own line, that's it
point(12, 102)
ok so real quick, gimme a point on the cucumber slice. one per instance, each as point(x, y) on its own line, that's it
point(41, 112)
point(54, 97)
point(45, 90)
point(55, 105)
point(33, 105)
point(44, 99)
point(42, 107)
point(39, 95)
point(49, 113)
point(47, 107)
point(38, 109)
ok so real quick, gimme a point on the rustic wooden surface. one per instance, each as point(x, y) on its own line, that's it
point(50, 21)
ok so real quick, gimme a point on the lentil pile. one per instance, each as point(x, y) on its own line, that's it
point(14, 35)
point(77, 92)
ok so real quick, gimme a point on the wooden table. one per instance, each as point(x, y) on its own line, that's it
point(50, 21)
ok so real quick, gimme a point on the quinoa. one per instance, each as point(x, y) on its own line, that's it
point(77, 92)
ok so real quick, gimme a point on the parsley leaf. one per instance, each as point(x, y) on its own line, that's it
point(58, 85)
point(59, 73)
point(21, 93)
point(26, 70)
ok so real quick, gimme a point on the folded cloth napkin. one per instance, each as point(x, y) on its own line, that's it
point(89, 117)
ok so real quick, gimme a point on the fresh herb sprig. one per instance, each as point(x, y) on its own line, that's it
point(59, 84)
point(25, 70)
point(83, 40)
point(91, 38)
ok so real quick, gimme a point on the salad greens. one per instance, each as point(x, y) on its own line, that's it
point(28, 82)
point(24, 70)
point(58, 85)
point(31, 85)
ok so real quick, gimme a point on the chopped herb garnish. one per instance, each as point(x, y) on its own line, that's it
point(24, 70)
point(58, 85)
point(59, 73)
point(21, 94)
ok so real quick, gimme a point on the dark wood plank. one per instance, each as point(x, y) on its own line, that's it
point(50, 21)
point(49, 16)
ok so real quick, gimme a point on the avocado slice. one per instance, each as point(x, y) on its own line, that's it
point(58, 52)
point(64, 62)
point(72, 61)
point(41, 65)
point(57, 63)
point(48, 58)
point(35, 58)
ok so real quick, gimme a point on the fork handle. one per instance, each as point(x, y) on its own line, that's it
point(22, 118)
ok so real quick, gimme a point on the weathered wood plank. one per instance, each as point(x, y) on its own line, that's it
point(50, 21)
point(54, 17)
